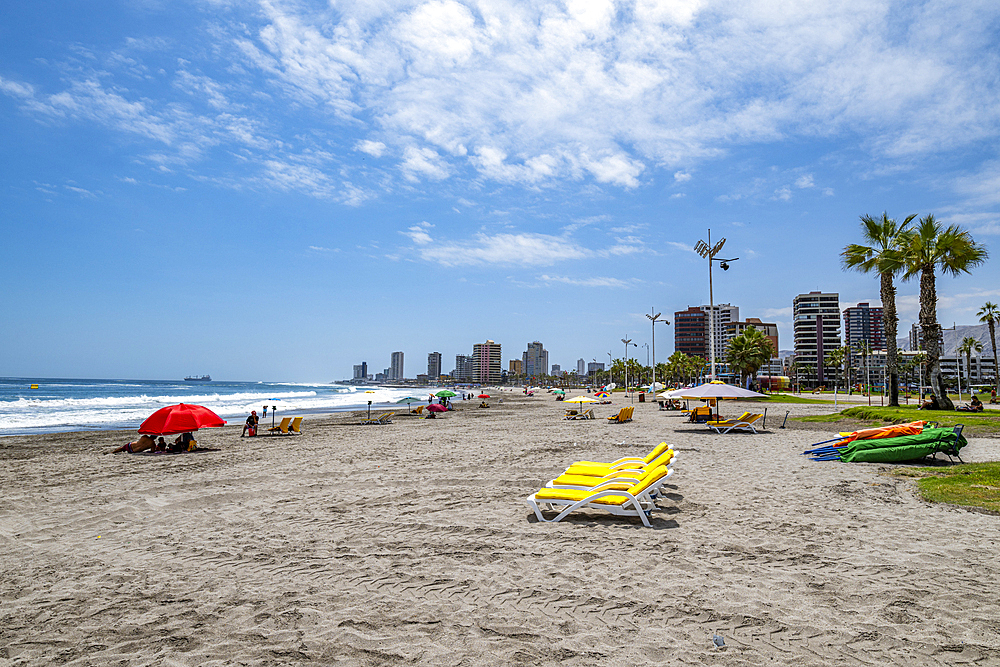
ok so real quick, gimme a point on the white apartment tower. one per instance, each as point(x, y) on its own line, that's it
point(535, 360)
point(816, 321)
point(722, 314)
point(434, 366)
point(396, 366)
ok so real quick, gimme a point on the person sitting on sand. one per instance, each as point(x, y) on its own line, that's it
point(161, 444)
point(484, 404)
point(182, 442)
point(142, 444)
point(251, 425)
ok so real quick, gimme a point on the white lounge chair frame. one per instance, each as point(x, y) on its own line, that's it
point(639, 505)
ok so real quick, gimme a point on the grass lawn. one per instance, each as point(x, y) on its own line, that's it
point(979, 423)
point(970, 484)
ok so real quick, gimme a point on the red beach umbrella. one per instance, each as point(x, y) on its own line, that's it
point(483, 396)
point(180, 418)
point(436, 407)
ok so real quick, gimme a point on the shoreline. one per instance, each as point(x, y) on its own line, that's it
point(411, 542)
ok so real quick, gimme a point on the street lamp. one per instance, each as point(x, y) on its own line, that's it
point(653, 320)
point(609, 368)
point(708, 251)
point(627, 341)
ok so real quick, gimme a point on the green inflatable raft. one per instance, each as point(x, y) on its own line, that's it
point(906, 447)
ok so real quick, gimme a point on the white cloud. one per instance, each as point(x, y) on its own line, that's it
point(545, 91)
point(595, 281)
point(424, 162)
point(783, 193)
point(373, 148)
point(419, 233)
point(521, 249)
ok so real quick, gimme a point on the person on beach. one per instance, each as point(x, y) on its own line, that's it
point(182, 442)
point(161, 444)
point(251, 425)
point(142, 444)
point(265, 412)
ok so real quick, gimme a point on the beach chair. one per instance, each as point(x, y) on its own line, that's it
point(281, 428)
point(581, 477)
point(381, 420)
point(296, 426)
point(622, 416)
point(588, 414)
point(419, 410)
point(744, 423)
point(628, 463)
point(635, 501)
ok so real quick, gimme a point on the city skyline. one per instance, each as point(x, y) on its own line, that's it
point(275, 190)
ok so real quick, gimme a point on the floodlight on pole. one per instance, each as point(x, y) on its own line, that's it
point(708, 251)
point(626, 341)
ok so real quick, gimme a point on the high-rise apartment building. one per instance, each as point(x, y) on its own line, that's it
point(556, 370)
point(863, 324)
point(816, 321)
point(767, 328)
point(361, 371)
point(487, 366)
point(581, 367)
point(690, 329)
point(516, 367)
point(536, 360)
point(722, 314)
point(594, 367)
point(434, 365)
point(396, 366)
point(463, 368)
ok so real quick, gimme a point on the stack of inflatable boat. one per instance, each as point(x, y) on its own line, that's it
point(889, 444)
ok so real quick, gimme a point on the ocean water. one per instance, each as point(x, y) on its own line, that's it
point(82, 405)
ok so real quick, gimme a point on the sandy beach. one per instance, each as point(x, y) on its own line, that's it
point(411, 543)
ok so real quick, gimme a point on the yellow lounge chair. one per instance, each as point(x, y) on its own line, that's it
point(624, 415)
point(579, 476)
point(382, 419)
point(419, 410)
point(282, 427)
point(628, 461)
point(744, 423)
point(636, 500)
point(296, 426)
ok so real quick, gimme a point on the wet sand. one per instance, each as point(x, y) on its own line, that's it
point(411, 543)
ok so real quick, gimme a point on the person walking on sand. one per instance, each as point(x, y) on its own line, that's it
point(142, 444)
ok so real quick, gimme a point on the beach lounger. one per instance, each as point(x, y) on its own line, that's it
point(381, 420)
point(744, 423)
point(585, 414)
point(419, 410)
point(623, 415)
point(629, 461)
point(577, 477)
point(583, 469)
point(282, 427)
point(635, 501)
point(296, 426)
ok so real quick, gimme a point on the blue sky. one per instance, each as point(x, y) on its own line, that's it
point(278, 190)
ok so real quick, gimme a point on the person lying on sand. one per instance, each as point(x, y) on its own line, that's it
point(142, 444)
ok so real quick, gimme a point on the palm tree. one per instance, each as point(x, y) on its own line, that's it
point(883, 256)
point(990, 314)
point(749, 351)
point(967, 347)
point(928, 247)
point(836, 359)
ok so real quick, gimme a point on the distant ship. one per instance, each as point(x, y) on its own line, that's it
point(203, 378)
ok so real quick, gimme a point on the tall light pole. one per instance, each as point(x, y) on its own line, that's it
point(653, 320)
point(626, 341)
point(708, 251)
